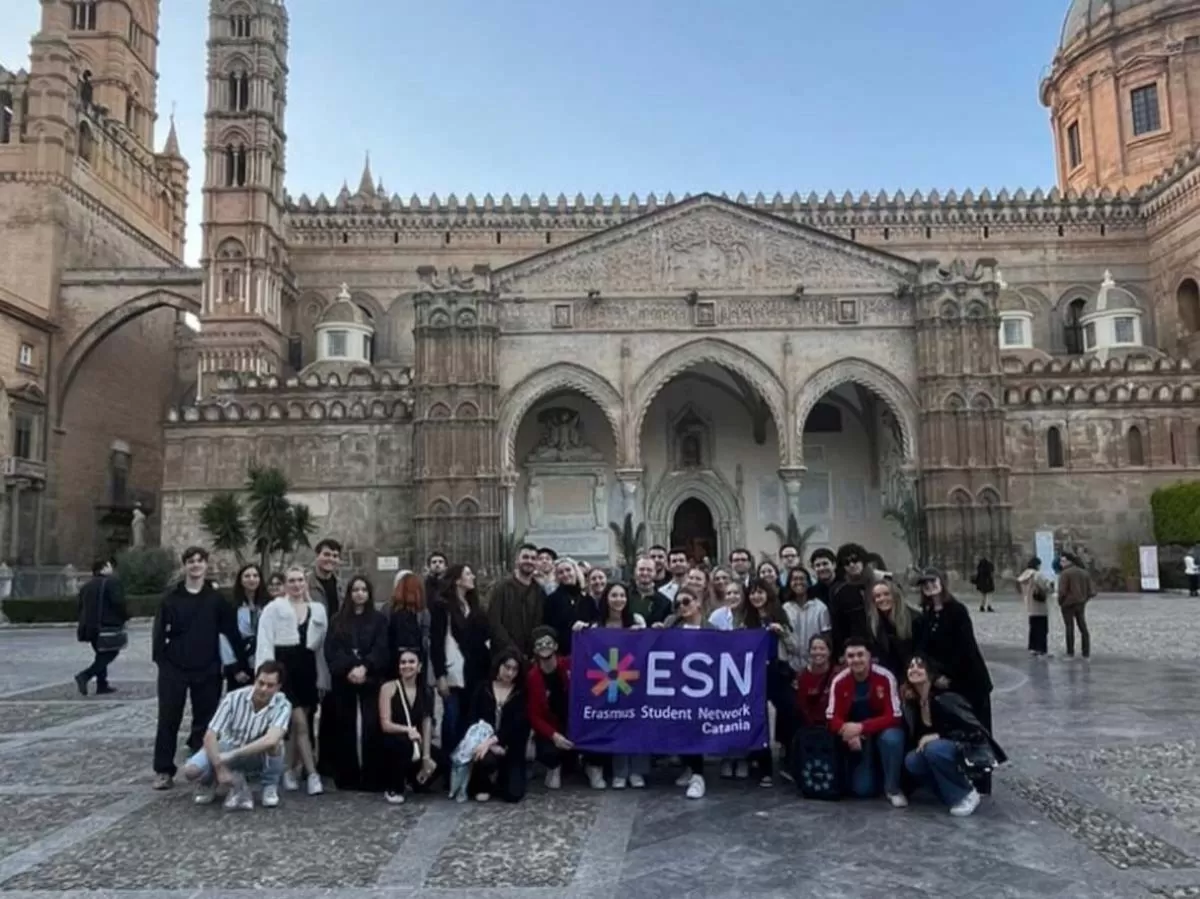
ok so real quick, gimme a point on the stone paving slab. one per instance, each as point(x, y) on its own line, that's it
point(27, 717)
point(103, 760)
point(26, 819)
point(127, 691)
point(320, 842)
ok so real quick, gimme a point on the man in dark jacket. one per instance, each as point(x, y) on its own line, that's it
point(186, 648)
point(516, 605)
point(101, 608)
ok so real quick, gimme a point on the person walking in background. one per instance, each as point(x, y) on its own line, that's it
point(1034, 595)
point(985, 583)
point(186, 648)
point(1192, 571)
point(1074, 591)
point(102, 616)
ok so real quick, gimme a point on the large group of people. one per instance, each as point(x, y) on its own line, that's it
point(323, 684)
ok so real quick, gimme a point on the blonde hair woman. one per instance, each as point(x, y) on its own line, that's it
point(892, 623)
point(292, 630)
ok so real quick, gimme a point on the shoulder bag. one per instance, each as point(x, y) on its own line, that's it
point(108, 639)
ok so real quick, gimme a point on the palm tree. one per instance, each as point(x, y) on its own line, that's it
point(629, 543)
point(272, 518)
point(906, 513)
point(223, 519)
point(792, 535)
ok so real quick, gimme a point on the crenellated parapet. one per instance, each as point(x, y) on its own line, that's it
point(1089, 383)
point(362, 395)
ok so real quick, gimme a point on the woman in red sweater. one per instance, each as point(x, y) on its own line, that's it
point(812, 686)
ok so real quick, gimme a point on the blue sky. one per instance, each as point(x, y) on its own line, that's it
point(638, 95)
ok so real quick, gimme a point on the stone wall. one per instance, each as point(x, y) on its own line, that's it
point(351, 467)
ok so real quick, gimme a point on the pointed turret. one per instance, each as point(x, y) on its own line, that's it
point(366, 184)
point(171, 148)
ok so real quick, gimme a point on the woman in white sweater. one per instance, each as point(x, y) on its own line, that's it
point(291, 630)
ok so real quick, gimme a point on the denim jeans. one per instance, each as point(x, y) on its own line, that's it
point(937, 766)
point(625, 765)
point(885, 750)
point(451, 707)
point(268, 766)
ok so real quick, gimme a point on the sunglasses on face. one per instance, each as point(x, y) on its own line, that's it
point(853, 560)
point(686, 601)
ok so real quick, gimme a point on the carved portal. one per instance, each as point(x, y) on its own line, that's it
point(566, 489)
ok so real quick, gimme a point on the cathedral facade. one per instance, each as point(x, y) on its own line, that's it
point(930, 375)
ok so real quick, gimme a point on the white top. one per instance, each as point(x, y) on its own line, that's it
point(806, 622)
point(722, 619)
point(237, 721)
point(669, 589)
point(278, 626)
point(454, 661)
point(1189, 565)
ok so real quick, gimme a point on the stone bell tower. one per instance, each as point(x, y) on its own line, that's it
point(246, 275)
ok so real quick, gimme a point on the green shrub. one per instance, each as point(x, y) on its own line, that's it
point(62, 609)
point(1177, 514)
point(144, 570)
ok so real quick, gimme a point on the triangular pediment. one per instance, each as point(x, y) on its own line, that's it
point(708, 244)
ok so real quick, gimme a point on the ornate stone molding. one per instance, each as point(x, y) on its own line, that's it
point(556, 377)
point(711, 489)
point(721, 353)
point(859, 371)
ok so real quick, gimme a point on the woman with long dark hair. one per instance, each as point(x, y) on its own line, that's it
point(946, 637)
point(458, 649)
point(762, 611)
point(627, 770)
point(499, 762)
point(250, 597)
point(356, 650)
point(947, 737)
point(406, 721)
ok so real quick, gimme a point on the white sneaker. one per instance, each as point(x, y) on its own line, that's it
point(554, 779)
point(204, 795)
point(619, 783)
point(315, 787)
point(967, 807)
point(239, 798)
point(397, 798)
point(291, 783)
point(695, 788)
point(898, 800)
point(727, 769)
point(270, 797)
point(637, 781)
point(684, 779)
point(741, 770)
point(482, 797)
point(595, 776)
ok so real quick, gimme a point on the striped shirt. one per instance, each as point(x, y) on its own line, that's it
point(237, 722)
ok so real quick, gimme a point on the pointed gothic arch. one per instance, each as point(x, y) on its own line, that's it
point(725, 355)
point(561, 376)
point(97, 331)
point(887, 386)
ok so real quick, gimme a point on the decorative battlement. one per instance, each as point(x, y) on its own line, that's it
point(362, 394)
point(1134, 380)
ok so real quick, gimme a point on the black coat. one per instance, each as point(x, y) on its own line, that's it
point(471, 633)
point(948, 639)
point(561, 613)
point(984, 580)
point(892, 651)
point(101, 605)
point(953, 719)
point(848, 613)
point(513, 732)
point(364, 642)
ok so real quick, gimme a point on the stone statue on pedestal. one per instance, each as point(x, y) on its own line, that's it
point(139, 526)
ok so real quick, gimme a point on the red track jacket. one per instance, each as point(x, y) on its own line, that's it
point(883, 697)
point(541, 716)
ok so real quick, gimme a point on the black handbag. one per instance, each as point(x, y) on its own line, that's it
point(108, 639)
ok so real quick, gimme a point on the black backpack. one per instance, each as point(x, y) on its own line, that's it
point(815, 764)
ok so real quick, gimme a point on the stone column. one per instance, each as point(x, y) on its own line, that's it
point(793, 481)
point(508, 488)
point(630, 480)
point(14, 519)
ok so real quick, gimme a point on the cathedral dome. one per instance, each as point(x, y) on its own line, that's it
point(1083, 14)
point(344, 312)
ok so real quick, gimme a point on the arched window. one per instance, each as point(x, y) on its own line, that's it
point(165, 209)
point(231, 260)
point(1133, 445)
point(83, 15)
point(1073, 329)
point(235, 166)
point(1174, 446)
point(86, 142)
point(1054, 448)
point(239, 92)
point(239, 26)
point(1187, 303)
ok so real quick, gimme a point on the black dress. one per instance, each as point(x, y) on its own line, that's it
point(561, 614)
point(355, 752)
point(300, 663)
point(400, 763)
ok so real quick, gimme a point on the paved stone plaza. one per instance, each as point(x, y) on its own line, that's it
point(1102, 799)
